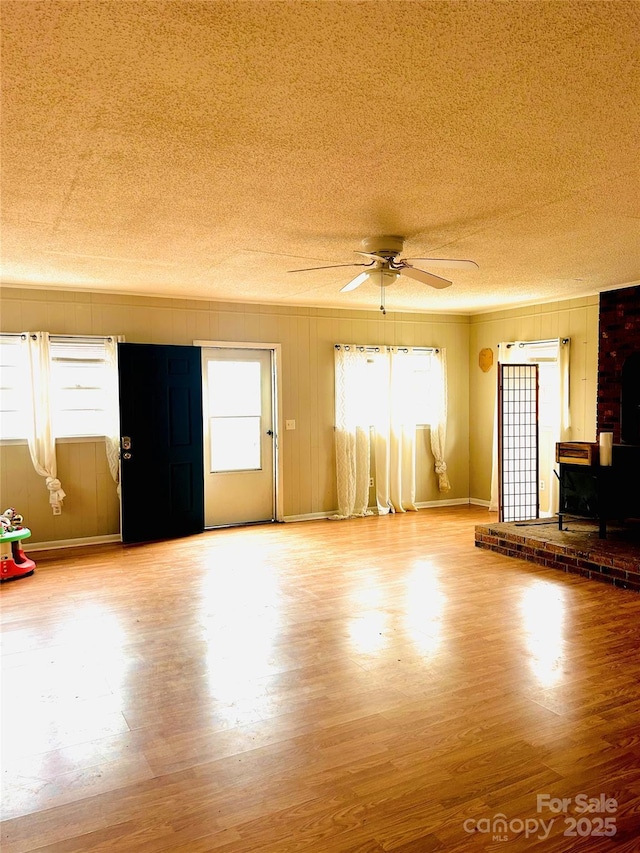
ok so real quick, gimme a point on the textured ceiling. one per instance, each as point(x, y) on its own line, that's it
point(203, 149)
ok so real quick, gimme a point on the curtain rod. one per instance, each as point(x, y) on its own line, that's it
point(535, 343)
point(77, 338)
point(347, 347)
point(74, 338)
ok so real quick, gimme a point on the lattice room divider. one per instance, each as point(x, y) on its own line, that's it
point(518, 441)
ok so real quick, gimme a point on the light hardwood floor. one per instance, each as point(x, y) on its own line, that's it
point(362, 686)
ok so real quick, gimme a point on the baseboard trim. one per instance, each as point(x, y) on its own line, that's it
point(436, 504)
point(56, 544)
point(315, 516)
point(311, 516)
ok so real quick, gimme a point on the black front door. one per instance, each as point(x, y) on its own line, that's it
point(161, 441)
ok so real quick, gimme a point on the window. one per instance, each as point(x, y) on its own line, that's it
point(416, 389)
point(13, 385)
point(546, 355)
point(424, 390)
point(80, 386)
point(381, 394)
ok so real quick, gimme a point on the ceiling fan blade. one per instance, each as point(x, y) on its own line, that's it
point(444, 263)
point(330, 267)
point(371, 255)
point(355, 282)
point(424, 277)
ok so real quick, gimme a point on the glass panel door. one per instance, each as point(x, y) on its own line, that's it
point(239, 464)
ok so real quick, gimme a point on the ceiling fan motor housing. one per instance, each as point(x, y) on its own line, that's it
point(386, 246)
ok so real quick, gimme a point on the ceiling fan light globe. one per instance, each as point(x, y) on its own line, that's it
point(386, 277)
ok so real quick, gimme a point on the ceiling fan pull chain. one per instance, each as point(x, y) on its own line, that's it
point(382, 308)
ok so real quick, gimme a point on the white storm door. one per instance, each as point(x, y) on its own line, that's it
point(239, 440)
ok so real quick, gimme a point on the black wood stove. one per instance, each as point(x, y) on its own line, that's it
point(591, 490)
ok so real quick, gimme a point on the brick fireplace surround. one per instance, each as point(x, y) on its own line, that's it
point(575, 549)
point(614, 560)
point(619, 339)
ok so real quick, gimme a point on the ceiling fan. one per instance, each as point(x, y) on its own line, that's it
point(385, 265)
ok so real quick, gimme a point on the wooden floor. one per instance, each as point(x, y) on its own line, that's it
point(371, 685)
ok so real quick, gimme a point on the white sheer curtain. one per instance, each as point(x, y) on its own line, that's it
point(562, 431)
point(112, 411)
point(564, 354)
point(395, 432)
point(439, 422)
point(376, 413)
point(40, 437)
point(353, 422)
point(39, 421)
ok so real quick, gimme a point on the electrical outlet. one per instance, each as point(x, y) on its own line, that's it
point(542, 485)
point(290, 424)
point(370, 482)
point(56, 510)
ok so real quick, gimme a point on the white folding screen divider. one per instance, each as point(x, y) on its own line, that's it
point(518, 441)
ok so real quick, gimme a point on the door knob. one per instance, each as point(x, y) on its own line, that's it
point(269, 432)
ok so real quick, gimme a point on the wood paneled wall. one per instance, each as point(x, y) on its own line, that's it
point(307, 336)
point(576, 319)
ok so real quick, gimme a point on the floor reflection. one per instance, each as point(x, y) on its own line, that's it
point(424, 607)
point(543, 616)
point(59, 697)
point(368, 627)
point(240, 619)
point(409, 612)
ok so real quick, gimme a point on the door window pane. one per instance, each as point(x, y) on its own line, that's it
point(235, 444)
point(234, 388)
point(235, 409)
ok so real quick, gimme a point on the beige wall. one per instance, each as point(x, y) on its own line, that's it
point(307, 336)
point(576, 319)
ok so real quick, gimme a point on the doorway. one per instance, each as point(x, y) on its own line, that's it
point(552, 358)
point(239, 392)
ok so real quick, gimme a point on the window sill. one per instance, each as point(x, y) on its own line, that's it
point(67, 439)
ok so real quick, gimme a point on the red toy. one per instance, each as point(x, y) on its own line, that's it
point(14, 563)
